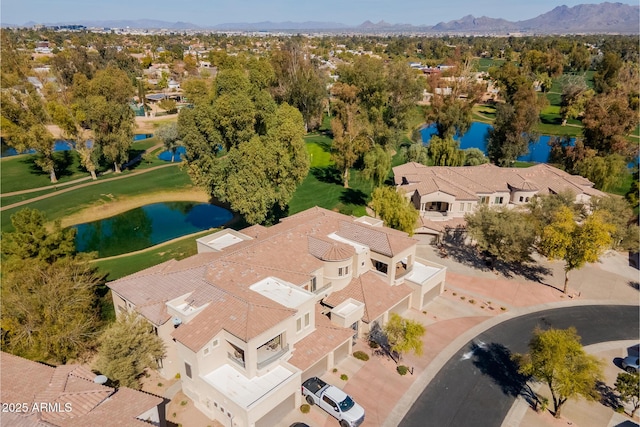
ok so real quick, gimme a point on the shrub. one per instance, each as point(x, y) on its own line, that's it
point(472, 301)
point(373, 344)
point(463, 298)
point(174, 415)
point(334, 370)
point(305, 408)
point(183, 403)
point(455, 294)
point(620, 409)
point(503, 308)
point(344, 377)
point(178, 376)
point(160, 384)
point(361, 355)
point(402, 370)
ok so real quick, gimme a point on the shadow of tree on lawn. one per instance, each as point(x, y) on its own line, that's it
point(328, 174)
point(353, 196)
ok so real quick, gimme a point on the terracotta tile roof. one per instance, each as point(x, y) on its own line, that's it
point(467, 182)
point(17, 387)
point(384, 241)
point(31, 382)
point(326, 338)
point(291, 251)
point(329, 250)
point(373, 291)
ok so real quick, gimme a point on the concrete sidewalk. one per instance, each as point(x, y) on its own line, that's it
point(474, 301)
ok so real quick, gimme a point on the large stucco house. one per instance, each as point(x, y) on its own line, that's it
point(443, 194)
point(258, 311)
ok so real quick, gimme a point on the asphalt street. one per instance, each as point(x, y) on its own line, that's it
point(479, 384)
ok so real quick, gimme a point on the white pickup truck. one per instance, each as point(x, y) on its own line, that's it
point(333, 400)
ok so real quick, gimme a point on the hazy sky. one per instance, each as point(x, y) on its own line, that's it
point(211, 12)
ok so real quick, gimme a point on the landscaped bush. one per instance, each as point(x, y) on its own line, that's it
point(402, 370)
point(373, 344)
point(344, 377)
point(305, 408)
point(361, 355)
point(334, 370)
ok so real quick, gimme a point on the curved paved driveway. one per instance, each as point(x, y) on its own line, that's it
point(479, 384)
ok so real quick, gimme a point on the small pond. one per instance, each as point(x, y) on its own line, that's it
point(166, 155)
point(475, 138)
point(147, 226)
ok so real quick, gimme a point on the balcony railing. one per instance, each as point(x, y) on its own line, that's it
point(322, 289)
point(273, 357)
point(236, 359)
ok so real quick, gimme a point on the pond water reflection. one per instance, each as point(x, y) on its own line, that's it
point(147, 226)
point(475, 137)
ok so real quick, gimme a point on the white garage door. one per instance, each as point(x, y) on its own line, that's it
point(273, 417)
point(315, 370)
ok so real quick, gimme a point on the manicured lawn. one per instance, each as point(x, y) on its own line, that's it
point(116, 268)
point(323, 186)
point(21, 173)
point(6, 201)
point(165, 179)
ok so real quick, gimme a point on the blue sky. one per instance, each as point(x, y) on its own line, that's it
point(211, 12)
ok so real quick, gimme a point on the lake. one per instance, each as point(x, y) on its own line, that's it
point(147, 226)
point(475, 138)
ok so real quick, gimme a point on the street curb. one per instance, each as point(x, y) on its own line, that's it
point(412, 394)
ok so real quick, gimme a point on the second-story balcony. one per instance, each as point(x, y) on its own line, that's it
point(266, 357)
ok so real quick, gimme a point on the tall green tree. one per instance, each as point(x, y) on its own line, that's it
point(557, 359)
point(31, 239)
point(23, 120)
point(504, 233)
point(127, 347)
point(395, 210)
point(404, 335)
point(299, 82)
point(350, 130)
point(170, 137)
point(608, 118)
point(445, 152)
point(103, 105)
point(575, 243)
point(452, 111)
point(377, 163)
point(262, 174)
point(49, 308)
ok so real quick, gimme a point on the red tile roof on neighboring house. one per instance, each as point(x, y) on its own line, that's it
point(87, 403)
point(467, 182)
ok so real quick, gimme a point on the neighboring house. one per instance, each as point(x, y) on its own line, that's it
point(258, 311)
point(444, 193)
point(67, 396)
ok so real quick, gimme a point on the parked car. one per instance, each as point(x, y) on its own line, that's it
point(630, 364)
point(334, 401)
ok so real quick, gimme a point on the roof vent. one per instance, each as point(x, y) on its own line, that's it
point(101, 379)
point(176, 322)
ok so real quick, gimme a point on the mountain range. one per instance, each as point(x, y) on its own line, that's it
point(584, 18)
